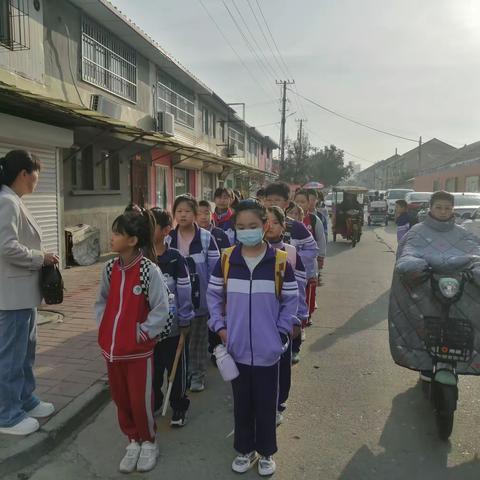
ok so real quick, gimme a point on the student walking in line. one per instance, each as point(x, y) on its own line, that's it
point(222, 217)
point(133, 315)
point(274, 235)
point(253, 299)
point(198, 246)
point(204, 220)
point(402, 219)
point(175, 271)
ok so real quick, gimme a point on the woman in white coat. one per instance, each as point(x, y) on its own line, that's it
point(21, 259)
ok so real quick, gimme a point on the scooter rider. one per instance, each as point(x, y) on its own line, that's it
point(435, 243)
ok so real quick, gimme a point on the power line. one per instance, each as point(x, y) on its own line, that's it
point(249, 46)
point(254, 78)
point(356, 122)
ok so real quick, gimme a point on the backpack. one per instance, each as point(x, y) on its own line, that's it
point(51, 284)
point(192, 268)
point(281, 259)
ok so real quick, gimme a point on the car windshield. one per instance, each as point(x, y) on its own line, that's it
point(397, 194)
point(466, 200)
point(418, 197)
point(329, 196)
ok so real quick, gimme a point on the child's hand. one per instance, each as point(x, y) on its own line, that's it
point(320, 262)
point(297, 330)
point(223, 335)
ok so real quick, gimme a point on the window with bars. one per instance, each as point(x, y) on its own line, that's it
point(236, 138)
point(176, 99)
point(14, 24)
point(107, 62)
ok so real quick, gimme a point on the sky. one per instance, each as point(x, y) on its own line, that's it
point(408, 67)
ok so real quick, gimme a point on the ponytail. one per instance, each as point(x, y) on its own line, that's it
point(138, 222)
point(13, 163)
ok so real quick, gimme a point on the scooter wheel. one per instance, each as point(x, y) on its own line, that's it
point(445, 425)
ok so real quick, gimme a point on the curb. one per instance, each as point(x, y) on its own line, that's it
point(30, 449)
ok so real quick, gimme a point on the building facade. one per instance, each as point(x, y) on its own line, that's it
point(123, 121)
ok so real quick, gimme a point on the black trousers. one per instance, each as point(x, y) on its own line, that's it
point(296, 344)
point(164, 356)
point(285, 377)
point(213, 341)
point(255, 393)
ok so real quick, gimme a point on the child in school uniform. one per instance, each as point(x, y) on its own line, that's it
point(253, 312)
point(175, 271)
point(198, 246)
point(204, 220)
point(274, 236)
point(222, 217)
point(132, 311)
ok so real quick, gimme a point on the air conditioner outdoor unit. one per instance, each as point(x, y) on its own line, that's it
point(103, 105)
point(232, 150)
point(166, 123)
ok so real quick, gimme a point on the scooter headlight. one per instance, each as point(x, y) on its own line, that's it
point(449, 287)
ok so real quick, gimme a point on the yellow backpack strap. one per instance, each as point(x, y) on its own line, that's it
point(281, 258)
point(226, 264)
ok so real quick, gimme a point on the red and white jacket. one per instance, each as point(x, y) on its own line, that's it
point(131, 309)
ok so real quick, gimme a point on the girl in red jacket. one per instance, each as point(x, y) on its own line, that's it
point(133, 315)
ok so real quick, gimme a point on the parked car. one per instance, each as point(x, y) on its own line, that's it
point(394, 194)
point(416, 201)
point(473, 223)
point(465, 204)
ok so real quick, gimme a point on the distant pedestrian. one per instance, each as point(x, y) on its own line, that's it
point(175, 271)
point(222, 217)
point(402, 219)
point(21, 258)
point(132, 311)
point(253, 298)
point(198, 246)
point(204, 220)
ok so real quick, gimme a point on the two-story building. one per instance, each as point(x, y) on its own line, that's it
point(113, 117)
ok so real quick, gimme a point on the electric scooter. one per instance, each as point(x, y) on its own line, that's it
point(449, 340)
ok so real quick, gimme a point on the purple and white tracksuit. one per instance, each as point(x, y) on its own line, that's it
point(257, 323)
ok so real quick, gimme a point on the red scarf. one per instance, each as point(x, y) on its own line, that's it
point(222, 217)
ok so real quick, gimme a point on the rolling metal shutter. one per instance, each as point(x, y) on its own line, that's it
point(43, 204)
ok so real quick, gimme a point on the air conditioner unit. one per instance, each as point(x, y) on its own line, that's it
point(103, 105)
point(166, 124)
point(232, 150)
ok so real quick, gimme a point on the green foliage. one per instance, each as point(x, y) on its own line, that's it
point(304, 163)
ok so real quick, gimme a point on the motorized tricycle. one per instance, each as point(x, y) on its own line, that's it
point(347, 213)
point(378, 213)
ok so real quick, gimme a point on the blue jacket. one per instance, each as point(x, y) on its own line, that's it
point(175, 271)
point(224, 222)
point(298, 235)
point(221, 238)
point(204, 259)
point(255, 317)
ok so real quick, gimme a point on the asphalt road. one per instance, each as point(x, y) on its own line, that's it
point(352, 413)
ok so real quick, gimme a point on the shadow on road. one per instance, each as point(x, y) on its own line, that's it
point(365, 318)
point(411, 447)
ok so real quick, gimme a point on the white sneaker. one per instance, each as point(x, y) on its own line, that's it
point(295, 358)
point(129, 461)
point(279, 419)
point(303, 335)
point(42, 410)
point(25, 427)
point(243, 463)
point(197, 386)
point(148, 457)
point(266, 466)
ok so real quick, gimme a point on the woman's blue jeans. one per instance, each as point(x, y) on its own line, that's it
point(18, 332)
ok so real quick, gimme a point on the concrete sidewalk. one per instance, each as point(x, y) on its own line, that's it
point(69, 368)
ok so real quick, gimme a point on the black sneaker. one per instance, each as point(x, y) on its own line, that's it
point(178, 419)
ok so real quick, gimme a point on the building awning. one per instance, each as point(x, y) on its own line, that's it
point(22, 103)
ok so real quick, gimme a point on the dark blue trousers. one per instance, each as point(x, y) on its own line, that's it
point(284, 378)
point(255, 393)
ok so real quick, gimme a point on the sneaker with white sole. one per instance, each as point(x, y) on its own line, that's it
point(295, 358)
point(27, 426)
point(129, 461)
point(243, 463)
point(266, 466)
point(303, 335)
point(42, 410)
point(197, 386)
point(179, 418)
point(148, 457)
point(279, 419)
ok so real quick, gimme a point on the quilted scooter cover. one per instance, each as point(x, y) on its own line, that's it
point(444, 246)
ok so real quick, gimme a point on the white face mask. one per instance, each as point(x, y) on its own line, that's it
point(250, 237)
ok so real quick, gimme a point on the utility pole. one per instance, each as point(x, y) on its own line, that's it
point(299, 166)
point(420, 154)
point(284, 84)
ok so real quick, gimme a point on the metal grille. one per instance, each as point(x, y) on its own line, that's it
point(107, 62)
point(14, 24)
point(173, 100)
